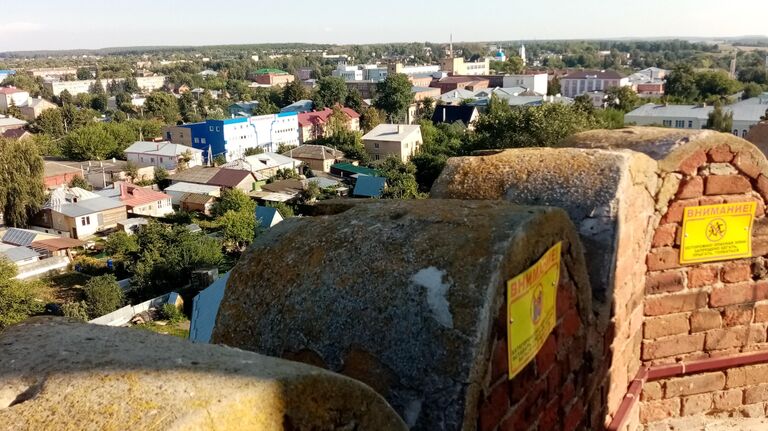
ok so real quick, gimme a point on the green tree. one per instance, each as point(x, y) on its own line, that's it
point(121, 245)
point(99, 97)
point(681, 83)
point(14, 111)
point(233, 200)
point(715, 83)
point(188, 109)
point(21, 181)
point(80, 182)
point(131, 86)
point(752, 89)
point(102, 295)
point(91, 142)
point(331, 90)
point(535, 126)
point(354, 100)
point(18, 299)
point(610, 118)
point(719, 120)
point(84, 73)
point(238, 227)
point(624, 99)
point(401, 179)
point(162, 106)
point(311, 192)
point(370, 118)
point(553, 89)
point(65, 98)
point(440, 142)
point(76, 310)
point(583, 103)
point(293, 92)
point(427, 108)
point(394, 96)
point(284, 209)
point(161, 175)
point(253, 151)
point(50, 122)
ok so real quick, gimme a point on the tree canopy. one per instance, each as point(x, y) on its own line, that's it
point(21, 181)
point(394, 96)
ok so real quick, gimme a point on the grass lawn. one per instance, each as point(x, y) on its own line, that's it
point(180, 329)
point(67, 287)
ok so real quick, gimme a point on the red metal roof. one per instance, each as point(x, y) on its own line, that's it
point(320, 117)
point(10, 90)
point(133, 196)
point(56, 244)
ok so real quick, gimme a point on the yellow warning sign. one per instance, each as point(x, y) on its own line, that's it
point(531, 300)
point(717, 232)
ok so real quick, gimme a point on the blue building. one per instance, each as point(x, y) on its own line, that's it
point(4, 73)
point(232, 136)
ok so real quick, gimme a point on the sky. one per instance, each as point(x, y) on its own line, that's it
point(77, 24)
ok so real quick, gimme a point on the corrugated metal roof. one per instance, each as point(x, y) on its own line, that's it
point(229, 177)
point(90, 206)
point(204, 310)
point(17, 254)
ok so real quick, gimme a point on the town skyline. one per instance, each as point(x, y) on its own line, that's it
point(194, 25)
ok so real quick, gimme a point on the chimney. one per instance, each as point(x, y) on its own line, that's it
point(400, 128)
point(123, 190)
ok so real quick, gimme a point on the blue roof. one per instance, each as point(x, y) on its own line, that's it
point(205, 307)
point(265, 216)
point(369, 187)
point(234, 120)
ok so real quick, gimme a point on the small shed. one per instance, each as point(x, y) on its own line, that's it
point(369, 187)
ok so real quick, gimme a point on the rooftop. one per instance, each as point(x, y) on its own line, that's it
point(321, 117)
point(349, 167)
point(11, 122)
point(166, 149)
point(319, 152)
point(392, 132)
point(594, 74)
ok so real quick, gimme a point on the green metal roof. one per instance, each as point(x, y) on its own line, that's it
point(266, 71)
point(349, 167)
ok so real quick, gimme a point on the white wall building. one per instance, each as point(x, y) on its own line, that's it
point(538, 83)
point(746, 114)
point(146, 84)
point(163, 154)
point(588, 81)
point(10, 96)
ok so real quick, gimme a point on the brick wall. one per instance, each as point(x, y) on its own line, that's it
point(550, 393)
point(706, 310)
point(740, 391)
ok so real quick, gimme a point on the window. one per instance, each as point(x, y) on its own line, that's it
point(690, 124)
point(735, 132)
point(159, 204)
point(151, 160)
point(197, 140)
point(376, 157)
point(679, 124)
point(210, 128)
point(743, 133)
point(376, 145)
point(218, 129)
point(202, 140)
point(161, 160)
point(667, 123)
point(85, 221)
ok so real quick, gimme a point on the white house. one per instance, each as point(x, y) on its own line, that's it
point(163, 154)
point(538, 83)
point(588, 81)
point(10, 96)
point(746, 114)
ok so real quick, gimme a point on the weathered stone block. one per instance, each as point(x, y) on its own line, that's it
point(727, 400)
point(662, 326)
point(704, 320)
point(663, 282)
point(700, 276)
point(691, 188)
point(71, 375)
point(697, 404)
point(727, 185)
point(653, 411)
point(694, 384)
point(657, 305)
point(665, 235)
point(742, 293)
point(671, 346)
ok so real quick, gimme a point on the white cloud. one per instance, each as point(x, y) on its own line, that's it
point(20, 27)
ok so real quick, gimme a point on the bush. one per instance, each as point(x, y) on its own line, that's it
point(76, 310)
point(102, 295)
point(90, 265)
point(171, 313)
point(18, 299)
